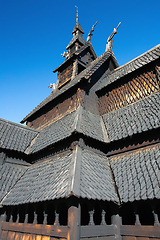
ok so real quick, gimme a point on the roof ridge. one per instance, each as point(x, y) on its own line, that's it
point(75, 80)
point(129, 67)
point(18, 125)
point(134, 59)
point(76, 172)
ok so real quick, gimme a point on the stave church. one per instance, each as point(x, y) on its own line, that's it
point(87, 164)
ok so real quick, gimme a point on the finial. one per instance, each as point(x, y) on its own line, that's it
point(109, 40)
point(53, 86)
point(90, 33)
point(65, 54)
point(76, 14)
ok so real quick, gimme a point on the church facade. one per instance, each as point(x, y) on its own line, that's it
point(87, 165)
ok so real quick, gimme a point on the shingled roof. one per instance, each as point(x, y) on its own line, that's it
point(11, 171)
point(15, 136)
point(137, 117)
point(86, 174)
point(79, 120)
point(137, 174)
point(78, 52)
point(81, 173)
point(85, 74)
point(131, 66)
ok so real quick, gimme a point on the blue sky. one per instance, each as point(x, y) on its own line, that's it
point(34, 33)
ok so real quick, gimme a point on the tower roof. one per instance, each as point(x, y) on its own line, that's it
point(77, 33)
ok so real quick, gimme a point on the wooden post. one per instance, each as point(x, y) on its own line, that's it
point(2, 219)
point(74, 222)
point(103, 222)
point(26, 218)
point(117, 222)
point(91, 221)
point(35, 217)
point(56, 222)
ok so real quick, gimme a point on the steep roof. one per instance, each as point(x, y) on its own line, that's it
point(137, 174)
point(77, 53)
point(142, 60)
point(86, 174)
point(85, 74)
point(81, 173)
point(11, 171)
point(137, 117)
point(15, 136)
point(79, 120)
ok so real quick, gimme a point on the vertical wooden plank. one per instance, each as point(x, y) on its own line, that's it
point(4, 235)
point(10, 235)
point(17, 236)
point(45, 238)
point(38, 237)
point(129, 238)
point(142, 238)
point(20, 236)
point(74, 222)
point(33, 237)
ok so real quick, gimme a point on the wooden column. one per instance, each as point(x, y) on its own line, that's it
point(117, 222)
point(3, 218)
point(74, 222)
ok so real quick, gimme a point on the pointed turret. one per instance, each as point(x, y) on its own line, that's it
point(77, 40)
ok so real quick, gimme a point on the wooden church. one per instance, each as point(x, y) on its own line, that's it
point(87, 165)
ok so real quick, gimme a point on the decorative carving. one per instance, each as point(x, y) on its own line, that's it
point(45, 218)
point(91, 222)
point(156, 221)
point(137, 222)
point(35, 218)
point(56, 218)
point(90, 33)
point(109, 40)
point(103, 222)
point(26, 218)
point(53, 86)
point(65, 54)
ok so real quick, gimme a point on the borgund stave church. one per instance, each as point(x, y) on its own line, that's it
point(87, 165)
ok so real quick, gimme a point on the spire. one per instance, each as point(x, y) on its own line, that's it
point(77, 26)
point(76, 14)
point(77, 34)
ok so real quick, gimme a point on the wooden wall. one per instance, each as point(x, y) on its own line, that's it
point(56, 112)
point(129, 92)
point(65, 75)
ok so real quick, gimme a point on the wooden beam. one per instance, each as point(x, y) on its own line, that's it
point(38, 229)
point(97, 231)
point(141, 231)
point(74, 222)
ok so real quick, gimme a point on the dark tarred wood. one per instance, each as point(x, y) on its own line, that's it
point(58, 111)
point(129, 92)
point(65, 75)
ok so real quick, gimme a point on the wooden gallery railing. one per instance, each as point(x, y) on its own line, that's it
point(18, 231)
point(34, 231)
